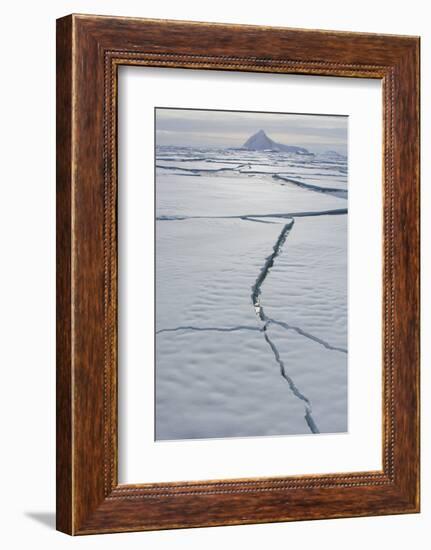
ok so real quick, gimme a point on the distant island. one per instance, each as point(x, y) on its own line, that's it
point(260, 142)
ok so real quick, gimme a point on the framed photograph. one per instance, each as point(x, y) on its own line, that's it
point(237, 274)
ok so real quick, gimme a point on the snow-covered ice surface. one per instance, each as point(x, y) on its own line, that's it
point(251, 293)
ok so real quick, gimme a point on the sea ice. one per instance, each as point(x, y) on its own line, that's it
point(221, 369)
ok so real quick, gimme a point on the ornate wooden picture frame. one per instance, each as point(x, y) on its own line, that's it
point(89, 51)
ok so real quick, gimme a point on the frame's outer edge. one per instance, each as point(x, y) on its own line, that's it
point(89, 499)
point(64, 448)
point(406, 262)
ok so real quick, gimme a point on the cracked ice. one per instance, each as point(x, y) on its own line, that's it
point(251, 318)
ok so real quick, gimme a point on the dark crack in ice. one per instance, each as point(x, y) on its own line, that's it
point(266, 321)
point(334, 191)
point(270, 321)
point(209, 329)
point(281, 215)
point(302, 332)
point(269, 262)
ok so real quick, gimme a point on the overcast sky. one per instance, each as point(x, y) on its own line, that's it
point(198, 128)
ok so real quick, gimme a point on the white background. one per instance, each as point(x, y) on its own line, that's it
point(143, 460)
point(27, 276)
